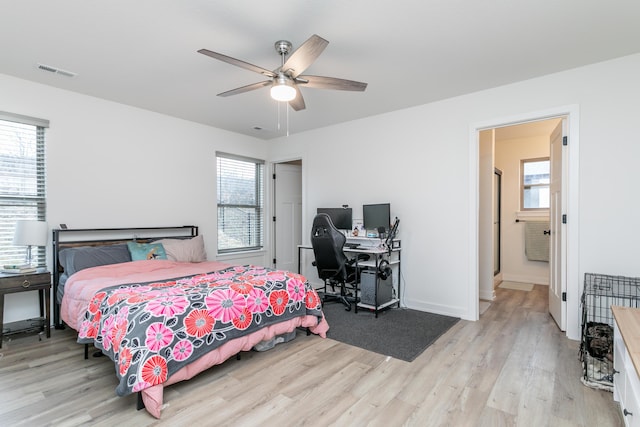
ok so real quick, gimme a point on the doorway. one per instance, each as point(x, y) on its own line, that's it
point(513, 147)
point(568, 273)
point(287, 214)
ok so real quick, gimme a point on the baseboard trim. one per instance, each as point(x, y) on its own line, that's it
point(488, 296)
point(538, 280)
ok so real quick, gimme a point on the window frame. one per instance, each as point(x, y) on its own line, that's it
point(15, 205)
point(524, 187)
point(258, 207)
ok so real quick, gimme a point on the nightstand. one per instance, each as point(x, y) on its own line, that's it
point(39, 281)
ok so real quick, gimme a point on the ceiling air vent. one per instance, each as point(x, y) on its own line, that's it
point(55, 70)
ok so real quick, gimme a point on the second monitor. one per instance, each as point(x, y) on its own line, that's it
point(341, 217)
point(376, 216)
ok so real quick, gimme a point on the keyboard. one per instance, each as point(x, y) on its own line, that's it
point(359, 248)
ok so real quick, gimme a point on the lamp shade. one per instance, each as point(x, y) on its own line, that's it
point(30, 233)
point(282, 89)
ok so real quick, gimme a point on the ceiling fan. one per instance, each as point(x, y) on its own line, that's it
point(286, 79)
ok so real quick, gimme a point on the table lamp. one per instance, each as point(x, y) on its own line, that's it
point(30, 233)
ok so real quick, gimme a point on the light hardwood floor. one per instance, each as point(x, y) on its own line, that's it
point(513, 367)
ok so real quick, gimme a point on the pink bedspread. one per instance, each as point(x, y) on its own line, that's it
point(81, 287)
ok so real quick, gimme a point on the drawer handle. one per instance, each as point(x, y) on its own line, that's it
point(625, 412)
point(26, 284)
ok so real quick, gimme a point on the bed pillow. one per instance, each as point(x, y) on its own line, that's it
point(81, 257)
point(184, 250)
point(142, 251)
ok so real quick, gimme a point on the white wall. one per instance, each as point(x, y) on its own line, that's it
point(419, 159)
point(509, 153)
point(110, 165)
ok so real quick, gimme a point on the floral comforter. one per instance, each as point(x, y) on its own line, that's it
point(151, 330)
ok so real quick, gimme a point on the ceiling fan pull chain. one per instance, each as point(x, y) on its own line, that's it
point(278, 107)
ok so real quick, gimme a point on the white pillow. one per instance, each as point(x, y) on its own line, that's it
point(184, 250)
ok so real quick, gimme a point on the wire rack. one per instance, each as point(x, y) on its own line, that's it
point(601, 291)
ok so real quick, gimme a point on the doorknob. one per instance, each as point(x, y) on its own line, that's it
point(547, 232)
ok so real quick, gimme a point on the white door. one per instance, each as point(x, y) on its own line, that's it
point(288, 215)
point(557, 280)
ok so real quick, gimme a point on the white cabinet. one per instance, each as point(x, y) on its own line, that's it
point(626, 383)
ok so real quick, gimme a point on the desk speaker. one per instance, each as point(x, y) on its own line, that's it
point(368, 288)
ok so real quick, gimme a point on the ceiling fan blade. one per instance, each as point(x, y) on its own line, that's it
point(237, 62)
point(319, 82)
point(304, 55)
point(246, 88)
point(298, 102)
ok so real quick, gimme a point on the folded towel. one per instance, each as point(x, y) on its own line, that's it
point(536, 243)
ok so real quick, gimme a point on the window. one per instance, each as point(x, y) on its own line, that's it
point(535, 184)
point(22, 182)
point(240, 203)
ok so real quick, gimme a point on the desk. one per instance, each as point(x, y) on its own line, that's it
point(300, 248)
point(377, 254)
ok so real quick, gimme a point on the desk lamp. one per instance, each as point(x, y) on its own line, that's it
point(30, 233)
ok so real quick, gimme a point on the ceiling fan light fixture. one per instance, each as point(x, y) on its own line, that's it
point(285, 80)
point(282, 89)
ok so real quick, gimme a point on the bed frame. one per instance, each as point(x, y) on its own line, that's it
point(69, 238)
point(74, 237)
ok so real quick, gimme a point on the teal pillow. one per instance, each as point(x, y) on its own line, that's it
point(142, 251)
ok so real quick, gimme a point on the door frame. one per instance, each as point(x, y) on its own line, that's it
point(571, 174)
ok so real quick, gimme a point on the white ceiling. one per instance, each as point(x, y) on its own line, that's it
point(410, 52)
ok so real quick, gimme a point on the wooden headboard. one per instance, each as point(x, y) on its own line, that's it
point(75, 237)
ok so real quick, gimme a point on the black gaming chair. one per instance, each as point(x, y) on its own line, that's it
point(333, 266)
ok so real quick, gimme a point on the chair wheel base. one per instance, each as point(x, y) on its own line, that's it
point(338, 298)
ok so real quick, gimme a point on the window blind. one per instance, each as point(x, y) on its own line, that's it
point(240, 187)
point(22, 182)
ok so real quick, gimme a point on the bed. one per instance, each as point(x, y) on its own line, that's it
point(163, 313)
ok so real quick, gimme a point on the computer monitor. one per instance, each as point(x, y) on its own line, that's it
point(376, 216)
point(342, 218)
